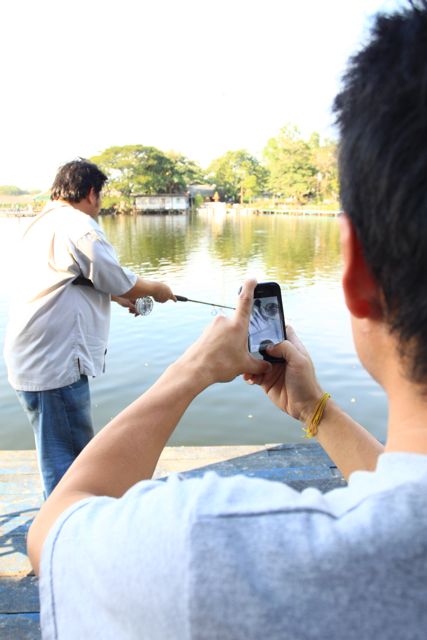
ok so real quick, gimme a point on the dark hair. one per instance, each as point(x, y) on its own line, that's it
point(382, 118)
point(75, 179)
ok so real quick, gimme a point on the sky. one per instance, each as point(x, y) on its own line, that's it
point(194, 76)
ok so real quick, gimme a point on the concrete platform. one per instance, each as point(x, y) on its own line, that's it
point(299, 465)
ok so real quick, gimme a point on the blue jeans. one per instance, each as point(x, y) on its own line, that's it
point(62, 424)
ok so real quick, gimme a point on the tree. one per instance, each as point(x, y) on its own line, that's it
point(238, 174)
point(11, 190)
point(290, 164)
point(134, 169)
point(324, 158)
point(186, 171)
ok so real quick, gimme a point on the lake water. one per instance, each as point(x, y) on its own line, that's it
point(207, 258)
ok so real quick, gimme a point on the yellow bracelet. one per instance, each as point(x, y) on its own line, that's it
point(311, 430)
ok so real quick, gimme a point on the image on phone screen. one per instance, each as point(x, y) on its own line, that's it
point(265, 325)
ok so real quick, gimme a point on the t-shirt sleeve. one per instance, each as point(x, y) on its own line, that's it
point(115, 557)
point(99, 263)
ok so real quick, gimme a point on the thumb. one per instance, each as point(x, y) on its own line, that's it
point(285, 350)
point(257, 367)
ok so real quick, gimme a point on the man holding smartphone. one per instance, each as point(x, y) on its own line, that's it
point(126, 557)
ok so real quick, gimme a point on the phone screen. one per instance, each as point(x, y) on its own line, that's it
point(266, 325)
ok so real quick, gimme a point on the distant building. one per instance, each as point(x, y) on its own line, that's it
point(164, 203)
point(207, 191)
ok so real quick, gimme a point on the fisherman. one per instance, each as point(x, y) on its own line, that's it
point(57, 333)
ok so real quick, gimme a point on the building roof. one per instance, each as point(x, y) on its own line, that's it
point(159, 195)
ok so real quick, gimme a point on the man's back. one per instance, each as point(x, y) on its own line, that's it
point(244, 558)
point(58, 331)
point(47, 250)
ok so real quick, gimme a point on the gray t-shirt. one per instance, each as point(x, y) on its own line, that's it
point(230, 558)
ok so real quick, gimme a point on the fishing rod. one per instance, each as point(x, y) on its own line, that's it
point(144, 305)
point(211, 304)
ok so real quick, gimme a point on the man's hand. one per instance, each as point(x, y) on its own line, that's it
point(127, 304)
point(292, 386)
point(161, 292)
point(221, 353)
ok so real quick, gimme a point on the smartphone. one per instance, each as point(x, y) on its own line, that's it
point(267, 321)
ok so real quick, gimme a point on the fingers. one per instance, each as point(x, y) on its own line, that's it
point(257, 368)
point(253, 378)
point(293, 339)
point(163, 293)
point(245, 300)
point(290, 347)
point(164, 298)
point(286, 350)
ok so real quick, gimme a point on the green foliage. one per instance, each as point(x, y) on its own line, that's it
point(295, 171)
point(11, 190)
point(290, 164)
point(198, 200)
point(238, 174)
point(302, 171)
point(186, 171)
point(137, 169)
point(324, 158)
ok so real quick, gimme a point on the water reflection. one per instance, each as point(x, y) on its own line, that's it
point(291, 247)
point(153, 241)
point(207, 259)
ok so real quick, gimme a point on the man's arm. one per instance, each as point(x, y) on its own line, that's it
point(142, 287)
point(158, 290)
point(294, 388)
point(99, 265)
point(128, 448)
point(127, 304)
point(346, 442)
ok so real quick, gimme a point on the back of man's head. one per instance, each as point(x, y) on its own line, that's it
point(75, 179)
point(382, 117)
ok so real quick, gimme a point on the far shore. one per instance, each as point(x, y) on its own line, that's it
point(210, 208)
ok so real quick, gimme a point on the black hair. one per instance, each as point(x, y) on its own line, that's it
point(75, 179)
point(382, 118)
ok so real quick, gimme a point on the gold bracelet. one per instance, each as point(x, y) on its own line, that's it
point(311, 430)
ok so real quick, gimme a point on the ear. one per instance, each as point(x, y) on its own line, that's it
point(92, 196)
point(361, 292)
